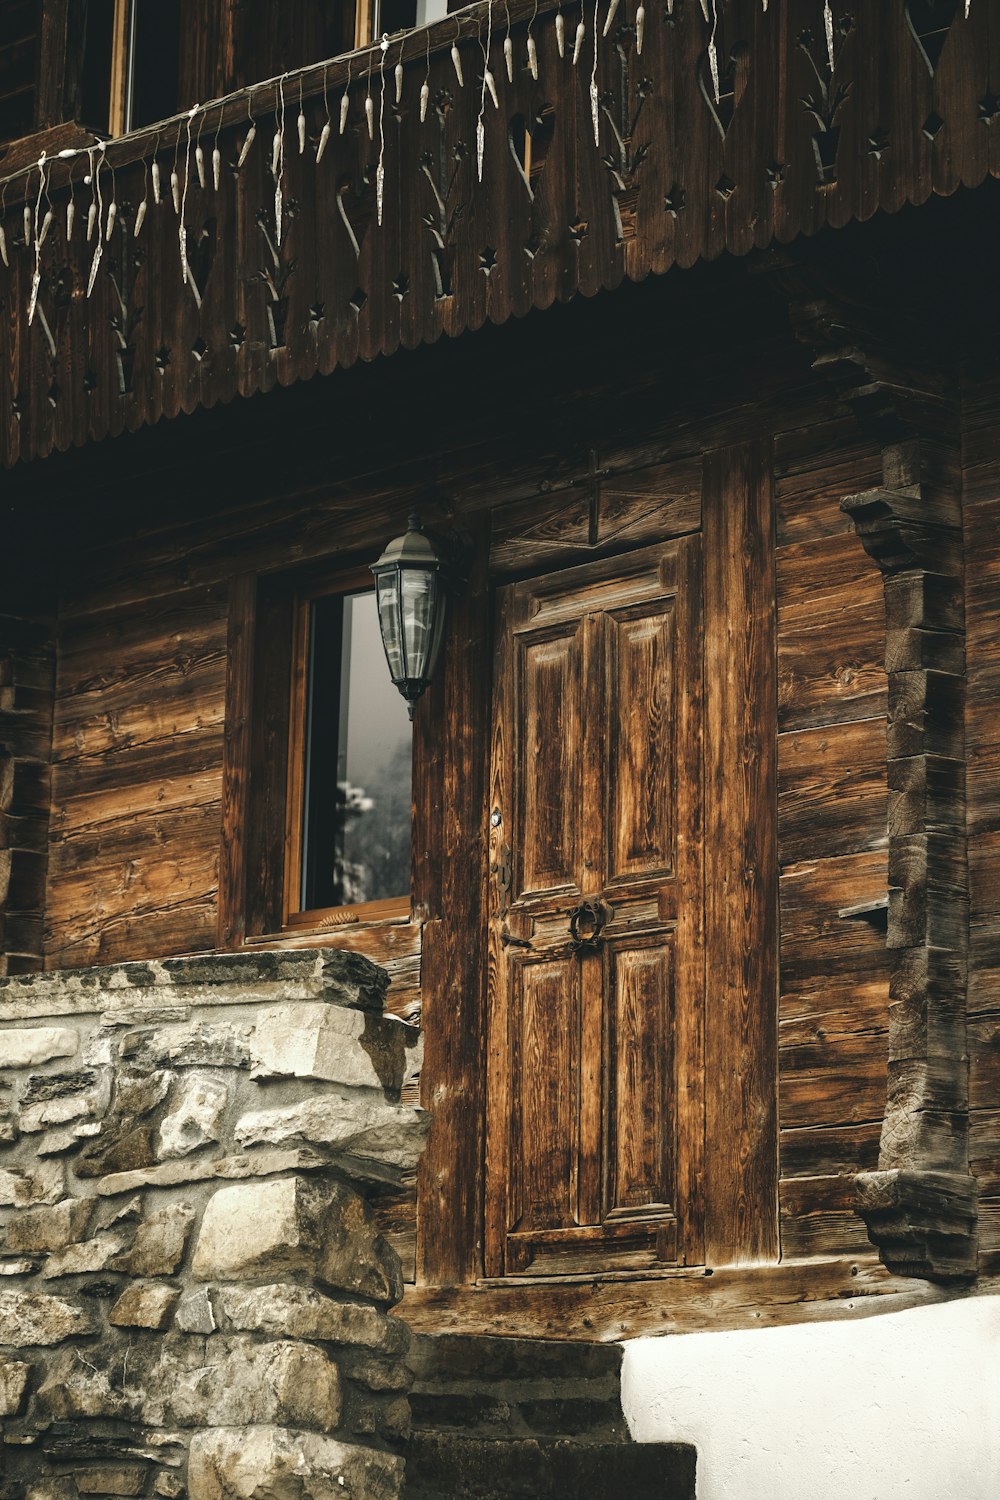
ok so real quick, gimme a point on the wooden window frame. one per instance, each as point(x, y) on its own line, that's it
point(395, 908)
point(262, 781)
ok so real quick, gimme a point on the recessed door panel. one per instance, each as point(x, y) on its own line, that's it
point(547, 695)
point(642, 1103)
point(544, 1145)
point(641, 786)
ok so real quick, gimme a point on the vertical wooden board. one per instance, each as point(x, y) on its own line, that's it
point(741, 909)
point(642, 1109)
point(236, 761)
point(453, 955)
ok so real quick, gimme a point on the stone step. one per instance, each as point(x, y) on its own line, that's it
point(518, 1388)
point(449, 1466)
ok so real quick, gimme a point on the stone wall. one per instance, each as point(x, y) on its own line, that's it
point(193, 1297)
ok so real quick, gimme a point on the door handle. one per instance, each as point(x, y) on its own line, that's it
point(587, 923)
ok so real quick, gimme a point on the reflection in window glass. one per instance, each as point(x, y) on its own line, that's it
point(356, 828)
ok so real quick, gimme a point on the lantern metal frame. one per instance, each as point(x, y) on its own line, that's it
point(414, 552)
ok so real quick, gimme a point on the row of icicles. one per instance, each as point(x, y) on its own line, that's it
point(38, 224)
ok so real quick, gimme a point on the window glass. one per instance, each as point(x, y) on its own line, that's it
point(357, 786)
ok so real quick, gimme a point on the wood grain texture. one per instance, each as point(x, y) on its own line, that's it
point(741, 909)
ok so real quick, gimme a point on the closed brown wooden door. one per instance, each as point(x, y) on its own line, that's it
point(595, 1112)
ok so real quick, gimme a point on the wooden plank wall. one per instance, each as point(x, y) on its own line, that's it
point(981, 465)
point(139, 732)
point(832, 845)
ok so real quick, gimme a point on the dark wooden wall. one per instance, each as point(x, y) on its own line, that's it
point(157, 529)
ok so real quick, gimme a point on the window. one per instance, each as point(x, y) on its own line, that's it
point(131, 61)
point(350, 759)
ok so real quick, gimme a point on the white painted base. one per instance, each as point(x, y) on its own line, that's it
point(905, 1406)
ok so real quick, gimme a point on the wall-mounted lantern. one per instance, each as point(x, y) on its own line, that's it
point(411, 591)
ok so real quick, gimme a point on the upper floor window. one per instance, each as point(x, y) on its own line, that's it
point(131, 64)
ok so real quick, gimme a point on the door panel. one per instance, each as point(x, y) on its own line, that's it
point(595, 1107)
point(640, 647)
point(641, 1076)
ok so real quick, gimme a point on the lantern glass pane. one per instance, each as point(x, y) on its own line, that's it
point(421, 610)
point(388, 614)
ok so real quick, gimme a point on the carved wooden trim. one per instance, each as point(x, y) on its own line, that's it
point(920, 1203)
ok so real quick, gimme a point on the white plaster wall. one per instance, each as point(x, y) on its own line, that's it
point(901, 1406)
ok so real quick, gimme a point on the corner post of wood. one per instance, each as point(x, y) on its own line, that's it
point(27, 691)
point(920, 1205)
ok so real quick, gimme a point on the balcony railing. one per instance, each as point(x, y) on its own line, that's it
point(500, 159)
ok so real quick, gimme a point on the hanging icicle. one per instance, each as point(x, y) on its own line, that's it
point(713, 51)
point(609, 18)
point(70, 208)
point(324, 135)
point(455, 57)
point(399, 77)
point(27, 225)
point(96, 209)
point(175, 190)
point(300, 122)
point(594, 98)
point(249, 139)
point(154, 173)
point(199, 161)
point(488, 84)
point(640, 28)
point(186, 276)
point(425, 87)
point(369, 102)
point(345, 100)
point(532, 49)
point(217, 157)
point(380, 169)
point(278, 161)
point(112, 216)
point(560, 33)
point(581, 32)
point(36, 279)
point(828, 27)
point(140, 216)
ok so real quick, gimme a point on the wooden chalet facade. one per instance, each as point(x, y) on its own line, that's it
point(724, 659)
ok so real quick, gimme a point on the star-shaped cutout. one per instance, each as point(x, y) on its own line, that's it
point(675, 201)
point(237, 335)
point(776, 174)
point(317, 313)
point(162, 358)
point(878, 142)
point(989, 107)
point(579, 230)
point(487, 260)
point(90, 382)
point(199, 349)
point(401, 286)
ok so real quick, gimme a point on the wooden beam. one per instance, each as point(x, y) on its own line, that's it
point(741, 915)
point(236, 760)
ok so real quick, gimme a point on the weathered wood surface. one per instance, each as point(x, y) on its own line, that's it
point(676, 177)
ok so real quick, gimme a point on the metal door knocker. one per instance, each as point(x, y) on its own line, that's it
point(587, 923)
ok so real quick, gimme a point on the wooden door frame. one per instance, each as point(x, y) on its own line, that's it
point(741, 909)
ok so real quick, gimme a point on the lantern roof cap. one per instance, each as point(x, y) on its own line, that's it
point(413, 549)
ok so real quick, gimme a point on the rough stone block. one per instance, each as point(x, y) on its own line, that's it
point(76, 1389)
point(311, 1040)
point(236, 1382)
point(49, 1228)
point(122, 1146)
point(145, 1304)
point(200, 1044)
point(46, 1112)
point(275, 1463)
point(361, 1124)
point(159, 1243)
point(34, 1318)
point(23, 1187)
point(13, 1380)
point(112, 1479)
point(303, 1313)
point(88, 1255)
point(295, 1224)
point(194, 1313)
point(28, 1047)
point(196, 1117)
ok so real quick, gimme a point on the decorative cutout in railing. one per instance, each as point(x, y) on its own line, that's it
point(266, 237)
